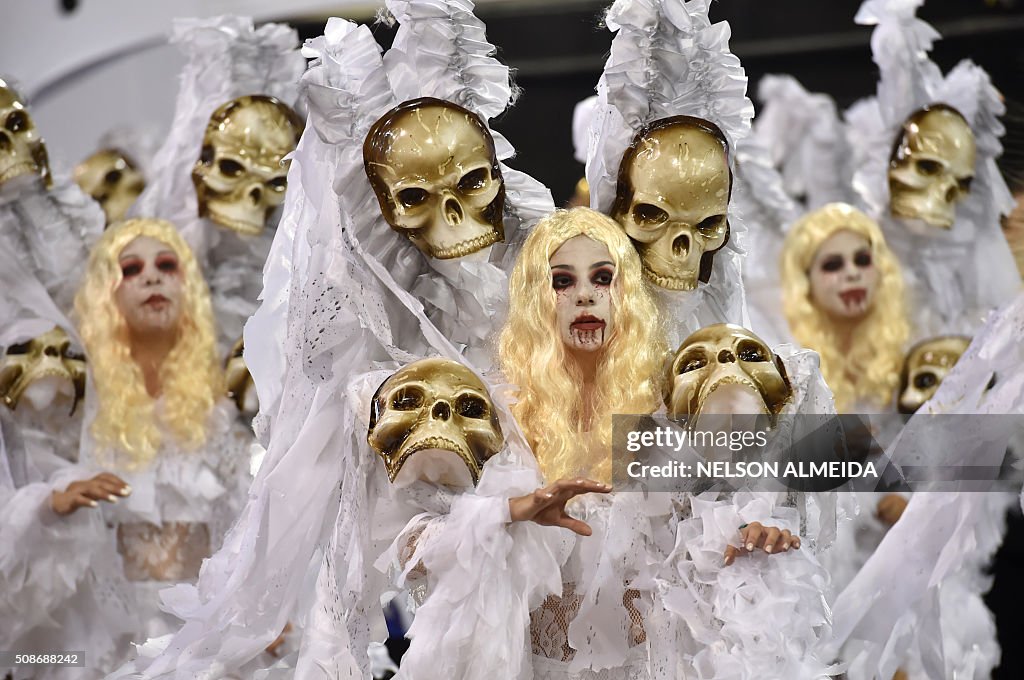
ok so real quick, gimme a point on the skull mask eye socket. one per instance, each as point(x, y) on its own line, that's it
point(408, 398)
point(474, 180)
point(647, 215)
point(692, 362)
point(471, 406)
point(413, 197)
point(751, 351)
point(230, 167)
point(19, 348)
point(17, 121)
point(929, 167)
point(712, 226)
point(925, 380)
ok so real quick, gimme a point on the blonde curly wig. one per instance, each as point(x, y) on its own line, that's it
point(191, 376)
point(876, 351)
point(550, 407)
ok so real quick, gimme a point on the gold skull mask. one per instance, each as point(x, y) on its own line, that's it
point(932, 166)
point(241, 388)
point(22, 151)
point(112, 179)
point(433, 167)
point(240, 177)
point(925, 367)
point(725, 354)
point(435, 405)
point(48, 357)
point(672, 199)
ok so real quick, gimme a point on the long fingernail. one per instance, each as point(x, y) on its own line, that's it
point(786, 546)
point(112, 498)
point(93, 504)
point(549, 495)
point(768, 548)
point(750, 547)
point(126, 490)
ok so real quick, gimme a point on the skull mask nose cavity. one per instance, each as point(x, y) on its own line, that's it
point(452, 212)
point(681, 245)
point(51, 352)
point(256, 195)
point(441, 411)
point(5, 141)
point(726, 357)
point(951, 193)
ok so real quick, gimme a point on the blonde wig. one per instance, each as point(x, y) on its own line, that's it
point(876, 351)
point(192, 380)
point(550, 407)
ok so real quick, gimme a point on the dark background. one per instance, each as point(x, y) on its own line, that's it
point(558, 49)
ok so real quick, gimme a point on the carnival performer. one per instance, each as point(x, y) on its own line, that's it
point(156, 416)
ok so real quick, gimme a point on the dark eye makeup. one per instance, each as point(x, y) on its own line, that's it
point(561, 280)
point(602, 277)
point(130, 268)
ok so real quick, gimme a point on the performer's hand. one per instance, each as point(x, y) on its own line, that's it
point(103, 487)
point(900, 674)
point(546, 506)
point(891, 508)
point(276, 644)
point(770, 539)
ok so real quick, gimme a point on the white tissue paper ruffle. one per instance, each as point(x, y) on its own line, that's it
point(806, 141)
point(51, 232)
point(668, 59)
point(919, 595)
point(333, 309)
point(945, 268)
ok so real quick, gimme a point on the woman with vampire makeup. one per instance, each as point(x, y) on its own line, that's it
point(843, 298)
point(156, 417)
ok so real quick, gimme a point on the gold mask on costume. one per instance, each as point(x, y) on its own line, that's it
point(239, 177)
point(111, 178)
point(932, 166)
point(241, 388)
point(672, 199)
point(22, 151)
point(726, 354)
point(435, 405)
point(46, 365)
point(435, 172)
point(926, 365)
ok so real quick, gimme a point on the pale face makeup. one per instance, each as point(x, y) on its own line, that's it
point(151, 291)
point(582, 274)
point(843, 276)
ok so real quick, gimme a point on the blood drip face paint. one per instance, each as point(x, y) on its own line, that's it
point(843, 276)
point(582, 275)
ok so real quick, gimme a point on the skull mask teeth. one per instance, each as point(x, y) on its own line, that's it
point(49, 355)
point(672, 199)
point(434, 404)
point(434, 170)
point(725, 354)
point(932, 166)
point(241, 388)
point(112, 179)
point(240, 177)
point(927, 364)
point(22, 151)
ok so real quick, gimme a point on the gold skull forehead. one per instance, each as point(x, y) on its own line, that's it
point(939, 131)
point(22, 150)
point(727, 345)
point(943, 351)
point(258, 127)
point(46, 355)
point(427, 389)
point(434, 169)
point(676, 173)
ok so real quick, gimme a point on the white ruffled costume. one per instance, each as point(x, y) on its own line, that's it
point(957, 276)
point(226, 58)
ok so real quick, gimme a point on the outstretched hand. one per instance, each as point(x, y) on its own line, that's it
point(103, 487)
point(546, 506)
point(755, 536)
